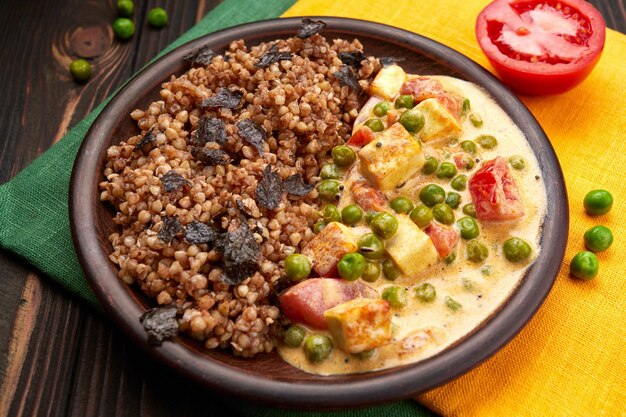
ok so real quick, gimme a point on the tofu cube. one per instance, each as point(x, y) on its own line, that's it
point(392, 158)
point(360, 324)
point(411, 249)
point(388, 82)
point(439, 123)
point(328, 247)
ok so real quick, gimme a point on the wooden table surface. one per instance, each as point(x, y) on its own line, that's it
point(57, 356)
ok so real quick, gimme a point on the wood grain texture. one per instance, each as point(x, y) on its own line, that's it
point(75, 362)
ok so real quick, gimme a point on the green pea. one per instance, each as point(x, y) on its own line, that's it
point(297, 267)
point(80, 69)
point(421, 215)
point(330, 213)
point(432, 194)
point(469, 147)
point(475, 119)
point(452, 304)
point(401, 205)
point(366, 354)
point(381, 108)
point(330, 172)
point(476, 251)
point(376, 125)
point(517, 162)
point(125, 8)
point(123, 28)
point(351, 266)
point(404, 102)
point(157, 17)
point(426, 292)
point(446, 170)
point(486, 270)
point(450, 258)
point(369, 216)
point(343, 155)
point(329, 189)
point(466, 162)
point(443, 213)
point(430, 165)
point(465, 106)
point(516, 249)
point(371, 272)
point(468, 228)
point(412, 120)
point(469, 210)
point(371, 246)
point(351, 214)
point(598, 202)
point(487, 141)
point(453, 199)
point(598, 238)
point(395, 296)
point(390, 270)
point(584, 265)
point(459, 182)
point(468, 285)
point(384, 225)
point(294, 336)
point(317, 227)
point(317, 347)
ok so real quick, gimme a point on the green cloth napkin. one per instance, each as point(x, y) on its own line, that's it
point(34, 220)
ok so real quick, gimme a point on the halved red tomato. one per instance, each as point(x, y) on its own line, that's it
point(541, 46)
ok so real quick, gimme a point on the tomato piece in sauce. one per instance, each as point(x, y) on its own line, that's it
point(307, 301)
point(444, 238)
point(541, 46)
point(361, 137)
point(494, 192)
point(368, 197)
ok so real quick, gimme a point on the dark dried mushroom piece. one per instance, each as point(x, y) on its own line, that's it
point(170, 228)
point(240, 254)
point(197, 232)
point(202, 56)
point(147, 138)
point(252, 133)
point(269, 190)
point(310, 27)
point(295, 185)
point(272, 56)
point(173, 181)
point(210, 129)
point(224, 98)
point(243, 209)
point(353, 58)
point(346, 77)
point(211, 156)
point(160, 324)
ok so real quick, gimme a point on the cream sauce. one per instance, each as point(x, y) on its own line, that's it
point(421, 330)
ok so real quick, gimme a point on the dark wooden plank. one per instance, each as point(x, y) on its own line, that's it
point(74, 361)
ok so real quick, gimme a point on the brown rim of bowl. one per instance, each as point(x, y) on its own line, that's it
point(320, 392)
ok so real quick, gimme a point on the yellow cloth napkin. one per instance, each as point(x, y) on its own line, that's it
point(570, 360)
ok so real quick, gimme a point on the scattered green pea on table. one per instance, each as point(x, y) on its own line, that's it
point(123, 28)
point(157, 17)
point(584, 265)
point(598, 202)
point(125, 8)
point(598, 238)
point(80, 70)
